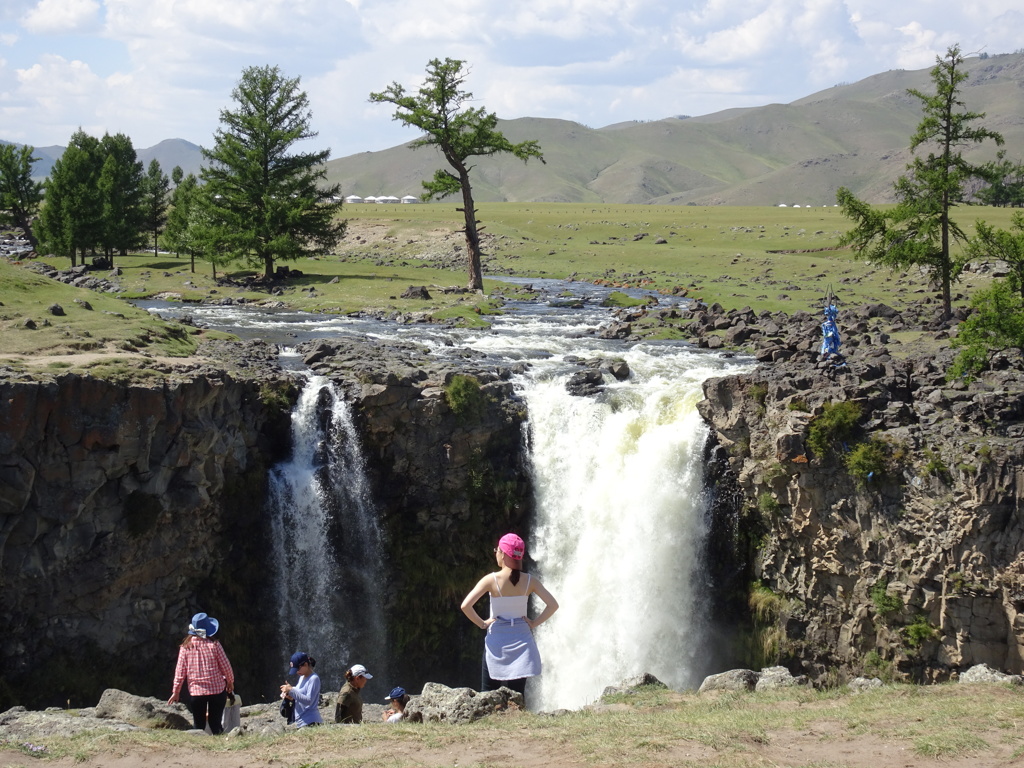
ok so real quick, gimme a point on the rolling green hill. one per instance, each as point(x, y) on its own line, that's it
point(854, 135)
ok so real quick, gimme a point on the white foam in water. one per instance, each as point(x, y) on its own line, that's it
point(620, 527)
point(329, 611)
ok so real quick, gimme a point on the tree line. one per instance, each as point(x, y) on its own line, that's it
point(255, 200)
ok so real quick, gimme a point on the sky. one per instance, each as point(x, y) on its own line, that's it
point(161, 69)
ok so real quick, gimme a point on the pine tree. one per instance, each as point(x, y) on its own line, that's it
point(71, 216)
point(176, 233)
point(919, 230)
point(155, 188)
point(271, 204)
point(460, 134)
point(20, 195)
point(121, 193)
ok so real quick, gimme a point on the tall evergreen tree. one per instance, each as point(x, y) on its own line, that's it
point(121, 192)
point(460, 134)
point(919, 230)
point(182, 200)
point(155, 187)
point(20, 195)
point(272, 204)
point(71, 216)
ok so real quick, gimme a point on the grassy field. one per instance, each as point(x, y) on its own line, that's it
point(765, 258)
point(947, 725)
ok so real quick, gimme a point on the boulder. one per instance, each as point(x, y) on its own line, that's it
point(983, 673)
point(733, 680)
point(778, 677)
point(141, 710)
point(441, 704)
point(584, 383)
point(861, 684)
point(620, 370)
point(616, 330)
point(416, 292)
point(630, 684)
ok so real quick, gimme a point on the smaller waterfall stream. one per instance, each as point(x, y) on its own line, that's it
point(327, 544)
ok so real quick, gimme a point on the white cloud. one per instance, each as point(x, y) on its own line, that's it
point(57, 16)
point(157, 69)
point(60, 94)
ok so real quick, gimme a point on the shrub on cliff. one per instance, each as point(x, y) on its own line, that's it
point(464, 396)
point(835, 424)
point(997, 323)
point(869, 460)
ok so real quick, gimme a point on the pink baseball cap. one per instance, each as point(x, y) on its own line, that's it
point(512, 546)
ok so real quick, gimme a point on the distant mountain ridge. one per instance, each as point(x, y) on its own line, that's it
point(854, 135)
point(169, 153)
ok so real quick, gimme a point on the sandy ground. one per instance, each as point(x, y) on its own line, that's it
point(823, 746)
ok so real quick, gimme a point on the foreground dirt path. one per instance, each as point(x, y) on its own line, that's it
point(821, 746)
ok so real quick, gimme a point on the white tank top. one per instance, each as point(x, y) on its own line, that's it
point(513, 607)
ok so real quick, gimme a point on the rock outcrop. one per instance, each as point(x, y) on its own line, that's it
point(892, 545)
point(124, 506)
point(130, 504)
point(441, 704)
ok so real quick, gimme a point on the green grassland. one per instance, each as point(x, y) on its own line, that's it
point(91, 322)
point(761, 257)
point(737, 256)
point(948, 725)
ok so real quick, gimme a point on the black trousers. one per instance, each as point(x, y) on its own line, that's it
point(487, 683)
point(209, 709)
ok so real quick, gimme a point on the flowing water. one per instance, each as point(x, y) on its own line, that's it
point(326, 540)
point(620, 528)
point(621, 513)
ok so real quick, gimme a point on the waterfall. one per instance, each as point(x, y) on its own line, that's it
point(328, 566)
point(620, 526)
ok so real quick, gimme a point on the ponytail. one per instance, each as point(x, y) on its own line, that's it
point(514, 578)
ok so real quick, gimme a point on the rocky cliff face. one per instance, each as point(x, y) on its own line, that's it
point(127, 507)
point(124, 509)
point(880, 508)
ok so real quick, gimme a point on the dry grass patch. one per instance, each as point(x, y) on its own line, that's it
point(953, 726)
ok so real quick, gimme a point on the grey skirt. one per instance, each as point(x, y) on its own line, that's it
point(510, 650)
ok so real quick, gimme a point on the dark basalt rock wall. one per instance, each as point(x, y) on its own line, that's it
point(127, 507)
point(916, 571)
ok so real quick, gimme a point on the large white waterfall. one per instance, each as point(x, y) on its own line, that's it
point(327, 543)
point(620, 526)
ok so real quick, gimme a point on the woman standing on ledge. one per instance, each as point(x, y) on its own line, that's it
point(510, 652)
point(202, 660)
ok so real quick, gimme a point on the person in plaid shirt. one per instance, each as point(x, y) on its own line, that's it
point(202, 660)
